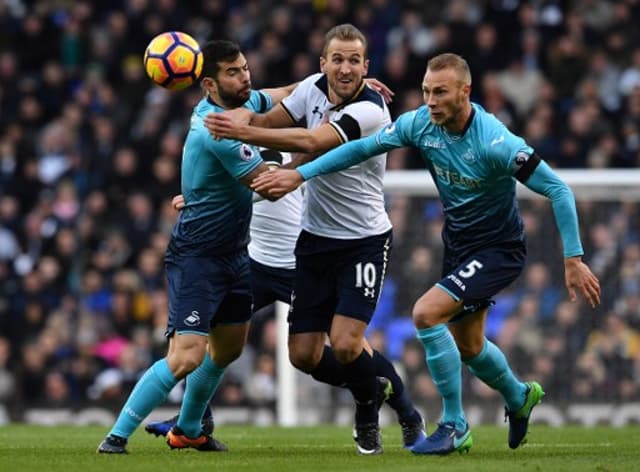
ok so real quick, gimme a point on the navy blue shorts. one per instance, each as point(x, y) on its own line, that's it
point(476, 277)
point(270, 284)
point(206, 291)
point(336, 277)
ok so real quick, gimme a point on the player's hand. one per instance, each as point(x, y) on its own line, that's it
point(278, 182)
point(578, 276)
point(227, 124)
point(177, 202)
point(381, 88)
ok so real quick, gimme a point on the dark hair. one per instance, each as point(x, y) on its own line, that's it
point(217, 51)
point(344, 32)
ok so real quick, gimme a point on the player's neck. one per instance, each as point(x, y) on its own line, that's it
point(216, 100)
point(460, 124)
point(336, 100)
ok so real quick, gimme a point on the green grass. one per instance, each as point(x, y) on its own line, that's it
point(326, 449)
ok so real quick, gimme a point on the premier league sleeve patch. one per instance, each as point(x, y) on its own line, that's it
point(246, 153)
point(524, 164)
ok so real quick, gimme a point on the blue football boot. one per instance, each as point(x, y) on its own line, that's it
point(445, 440)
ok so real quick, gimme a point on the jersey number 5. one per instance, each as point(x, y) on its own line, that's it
point(470, 270)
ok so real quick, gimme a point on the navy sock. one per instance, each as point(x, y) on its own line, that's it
point(399, 400)
point(361, 381)
point(329, 370)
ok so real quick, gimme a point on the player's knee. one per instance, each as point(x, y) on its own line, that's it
point(302, 360)
point(469, 347)
point(346, 352)
point(183, 363)
point(226, 357)
point(424, 316)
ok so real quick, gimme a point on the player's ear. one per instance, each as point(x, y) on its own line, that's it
point(366, 66)
point(208, 84)
point(466, 90)
point(323, 61)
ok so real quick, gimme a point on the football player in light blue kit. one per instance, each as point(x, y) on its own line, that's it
point(475, 162)
point(207, 264)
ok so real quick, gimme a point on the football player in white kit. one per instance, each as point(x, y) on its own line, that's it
point(343, 249)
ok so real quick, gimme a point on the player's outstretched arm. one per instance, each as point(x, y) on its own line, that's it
point(277, 183)
point(578, 276)
point(279, 93)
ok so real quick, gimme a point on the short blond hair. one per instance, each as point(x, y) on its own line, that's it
point(344, 32)
point(451, 61)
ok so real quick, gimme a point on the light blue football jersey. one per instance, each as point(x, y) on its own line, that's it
point(473, 171)
point(217, 212)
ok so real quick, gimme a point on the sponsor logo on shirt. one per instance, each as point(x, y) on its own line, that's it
point(434, 144)
point(498, 140)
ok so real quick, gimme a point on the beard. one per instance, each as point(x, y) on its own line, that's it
point(233, 99)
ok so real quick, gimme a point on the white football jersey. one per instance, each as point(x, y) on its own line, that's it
point(348, 204)
point(275, 227)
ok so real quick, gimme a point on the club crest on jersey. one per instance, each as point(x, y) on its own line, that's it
point(246, 153)
point(468, 156)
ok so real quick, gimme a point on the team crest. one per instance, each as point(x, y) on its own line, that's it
point(468, 156)
point(246, 153)
point(193, 319)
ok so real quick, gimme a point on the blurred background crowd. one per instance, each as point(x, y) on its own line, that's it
point(90, 158)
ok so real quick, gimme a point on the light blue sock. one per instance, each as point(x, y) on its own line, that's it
point(443, 359)
point(150, 391)
point(201, 385)
point(492, 368)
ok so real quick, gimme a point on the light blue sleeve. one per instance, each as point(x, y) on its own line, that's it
point(503, 147)
point(259, 101)
point(546, 182)
point(394, 135)
point(236, 157)
point(342, 157)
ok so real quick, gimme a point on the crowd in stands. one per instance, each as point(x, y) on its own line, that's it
point(90, 157)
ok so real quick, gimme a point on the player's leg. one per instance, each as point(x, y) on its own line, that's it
point(430, 314)
point(226, 343)
point(311, 309)
point(162, 427)
point(187, 330)
point(397, 397)
point(267, 284)
point(487, 362)
point(153, 387)
point(359, 270)
point(227, 338)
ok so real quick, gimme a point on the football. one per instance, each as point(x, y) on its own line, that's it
point(173, 60)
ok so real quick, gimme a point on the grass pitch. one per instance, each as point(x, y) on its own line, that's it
point(326, 449)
